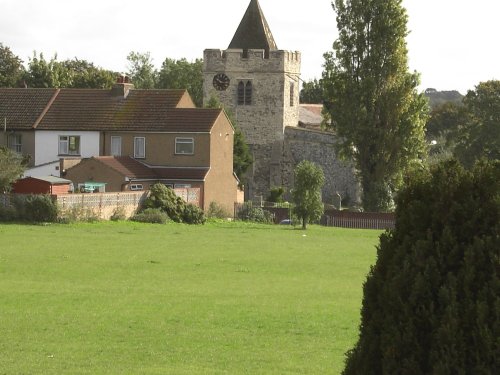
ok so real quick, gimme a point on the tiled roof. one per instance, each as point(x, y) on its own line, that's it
point(310, 114)
point(253, 31)
point(99, 110)
point(182, 173)
point(127, 166)
point(22, 107)
point(133, 169)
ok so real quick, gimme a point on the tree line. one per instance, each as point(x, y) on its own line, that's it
point(40, 72)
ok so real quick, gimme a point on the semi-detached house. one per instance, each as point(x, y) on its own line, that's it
point(159, 129)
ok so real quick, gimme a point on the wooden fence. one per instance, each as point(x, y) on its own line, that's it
point(359, 220)
point(104, 205)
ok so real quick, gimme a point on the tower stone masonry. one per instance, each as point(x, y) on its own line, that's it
point(260, 85)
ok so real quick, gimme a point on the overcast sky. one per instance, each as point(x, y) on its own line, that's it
point(453, 44)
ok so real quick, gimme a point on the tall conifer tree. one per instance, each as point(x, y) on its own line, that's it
point(372, 98)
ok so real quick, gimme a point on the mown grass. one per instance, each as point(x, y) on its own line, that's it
point(227, 298)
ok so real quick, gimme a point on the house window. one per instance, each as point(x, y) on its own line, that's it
point(15, 143)
point(183, 186)
point(184, 146)
point(292, 94)
point(139, 147)
point(136, 187)
point(245, 90)
point(116, 146)
point(69, 145)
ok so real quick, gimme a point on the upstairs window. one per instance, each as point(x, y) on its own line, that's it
point(139, 147)
point(245, 93)
point(15, 143)
point(184, 146)
point(116, 146)
point(69, 145)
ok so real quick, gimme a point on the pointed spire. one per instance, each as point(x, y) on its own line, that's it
point(253, 31)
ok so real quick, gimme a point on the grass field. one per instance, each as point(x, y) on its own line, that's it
point(227, 298)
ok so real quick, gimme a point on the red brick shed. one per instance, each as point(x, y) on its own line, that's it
point(41, 185)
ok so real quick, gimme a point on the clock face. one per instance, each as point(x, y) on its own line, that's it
point(221, 81)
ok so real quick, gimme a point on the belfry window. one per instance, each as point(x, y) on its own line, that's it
point(292, 94)
point(245, 90)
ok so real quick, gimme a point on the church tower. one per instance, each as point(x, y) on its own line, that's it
point(259, 84)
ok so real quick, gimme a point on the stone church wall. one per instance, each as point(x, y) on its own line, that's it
point(274, 164)
point(320, 148)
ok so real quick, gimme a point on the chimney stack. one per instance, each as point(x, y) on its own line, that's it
point(122, 87)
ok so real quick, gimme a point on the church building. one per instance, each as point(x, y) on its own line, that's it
point(259, 84)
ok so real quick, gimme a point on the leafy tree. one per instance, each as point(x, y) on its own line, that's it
point(141, 70)
point(431, 302)
point(443, 129)
point(11, 68)
point(480, 136)
point(182, 74)
point(312, 92)
point(85, 75)
point(306, 193)
point(43, 74)
point(11, 168)
point(372, 99)
point(445, 120)
point(242, 157)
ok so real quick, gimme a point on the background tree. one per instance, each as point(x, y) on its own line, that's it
point(372, 99)
point(480, 136)
point(11, 68)
point(11, 168)
point(312, 92)
point(306, 193)
point(42, 73)
point(86, 75)
point(141, 70)
point(443, 129)
point(182, 74)
point(431, 302)
point(242, 157)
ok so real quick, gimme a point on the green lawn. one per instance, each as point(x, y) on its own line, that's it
point(129, 298)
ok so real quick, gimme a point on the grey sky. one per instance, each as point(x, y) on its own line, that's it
point(453, 43)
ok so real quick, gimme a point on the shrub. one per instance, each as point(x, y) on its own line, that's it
point(255, 214)
point(216, 211)
point(431, 302)
point(164, 198)
point(151, 215)
point(276, 195)
point(79, 213)
point(193, 215)
point(40, 208)
point(8, 214)
point(118, 214)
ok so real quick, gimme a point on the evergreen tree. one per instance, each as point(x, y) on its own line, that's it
point(371, 97)
point(432, 301)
